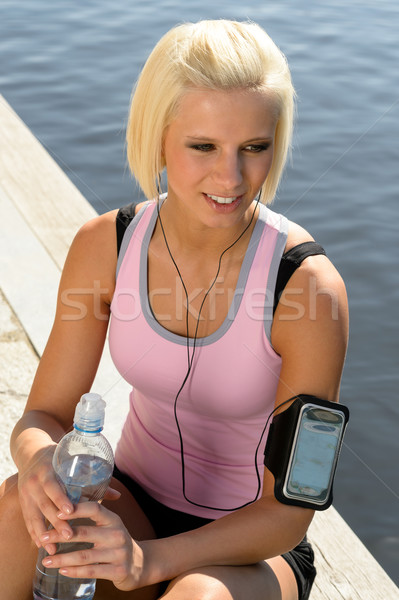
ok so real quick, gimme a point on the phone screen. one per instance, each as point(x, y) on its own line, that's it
point(313, 459)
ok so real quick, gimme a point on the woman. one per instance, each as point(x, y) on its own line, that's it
point(194, 331)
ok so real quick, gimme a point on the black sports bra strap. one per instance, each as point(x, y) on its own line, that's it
point(298, 253)
point(123, 218)
point(290, 261)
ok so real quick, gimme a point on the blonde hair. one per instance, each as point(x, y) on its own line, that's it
point(216, 55)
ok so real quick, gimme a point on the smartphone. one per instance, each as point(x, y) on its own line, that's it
point(314, 454)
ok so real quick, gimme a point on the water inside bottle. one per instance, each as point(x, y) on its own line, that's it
point(85, 478)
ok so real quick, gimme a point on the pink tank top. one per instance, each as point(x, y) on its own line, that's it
point(231, 390)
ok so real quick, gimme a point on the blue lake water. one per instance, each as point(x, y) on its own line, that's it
point(67, 68)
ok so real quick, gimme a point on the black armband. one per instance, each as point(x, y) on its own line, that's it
point(302, 451)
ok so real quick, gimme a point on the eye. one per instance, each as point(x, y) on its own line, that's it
point(256, 148)
point(203, 147)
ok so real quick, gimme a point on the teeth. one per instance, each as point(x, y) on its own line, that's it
point(221, 200)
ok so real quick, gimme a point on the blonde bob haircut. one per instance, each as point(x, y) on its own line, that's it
point(215, 55)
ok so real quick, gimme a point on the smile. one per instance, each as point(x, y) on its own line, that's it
point(221, 200)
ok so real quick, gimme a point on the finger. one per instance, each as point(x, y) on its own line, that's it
point(40, 536)
point(51, 538)
point(91, 510)
point(112, 494)
point(34, 532)
point(99, 571)
point(36, 525)
point(96, 519)
point(39, 507)
point(118, 574)
point(58, 497)
point(49, 511)
point(101, 537)
point(50, 549)
point(34, 520)
point(52, 503)
point(88, 563)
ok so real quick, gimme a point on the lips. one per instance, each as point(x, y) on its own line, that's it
point(223, 204)
point(222, 199)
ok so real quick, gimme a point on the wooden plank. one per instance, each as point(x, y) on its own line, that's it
point(346, 569)
point(18, 362)
point(50, 203)
point(28, 275)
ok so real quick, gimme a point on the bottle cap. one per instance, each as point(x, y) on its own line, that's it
point(90, 413)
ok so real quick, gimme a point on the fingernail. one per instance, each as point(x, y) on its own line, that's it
point(63, 571)
point(67, 534)
point(45, 537)
point(67, 509)
point(48, 549)
point(47, 562)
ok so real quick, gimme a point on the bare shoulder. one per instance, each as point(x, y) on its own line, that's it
point(93, 253)
point(139, 206)
point(101, 229)
point(96, 239)
point(319, 268)
point(296, 235)
point(95, 244)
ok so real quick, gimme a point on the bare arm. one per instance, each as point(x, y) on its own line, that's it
point(66, 370)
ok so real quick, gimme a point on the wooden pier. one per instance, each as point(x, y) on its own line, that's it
point(40, 212)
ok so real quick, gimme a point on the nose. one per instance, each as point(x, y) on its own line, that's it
point(228, 171)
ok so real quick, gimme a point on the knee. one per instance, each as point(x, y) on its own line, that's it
point(12, 523)
point(196, 585)
point(9, 499)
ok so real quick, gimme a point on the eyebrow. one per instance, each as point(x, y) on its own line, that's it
point(195, 138)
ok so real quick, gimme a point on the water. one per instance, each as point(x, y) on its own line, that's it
point(58, 587)
point(67, 69)
point(85, 478)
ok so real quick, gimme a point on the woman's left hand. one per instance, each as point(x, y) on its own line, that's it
point(114, 555)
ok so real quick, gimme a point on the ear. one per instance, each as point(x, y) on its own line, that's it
point(162, 151)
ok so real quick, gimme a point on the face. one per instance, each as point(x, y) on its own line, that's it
point(218, 152)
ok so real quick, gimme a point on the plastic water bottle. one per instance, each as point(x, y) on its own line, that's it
point(83, 463)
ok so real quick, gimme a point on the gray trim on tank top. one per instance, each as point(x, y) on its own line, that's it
point(127, 236)
point(272, 276)
point(238, 294)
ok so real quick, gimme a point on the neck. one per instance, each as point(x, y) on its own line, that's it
point(194, 238)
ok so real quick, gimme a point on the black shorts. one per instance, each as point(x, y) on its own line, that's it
point(167, 521)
